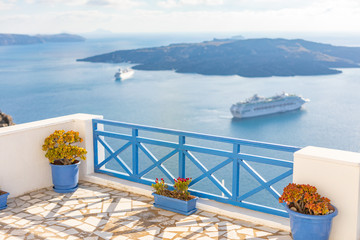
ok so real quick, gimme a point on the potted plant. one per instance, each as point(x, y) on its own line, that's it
point(179, 200)
point(3, 199)
point(64, 157)
point(310, 214)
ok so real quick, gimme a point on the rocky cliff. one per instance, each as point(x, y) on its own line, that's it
point(5, 120)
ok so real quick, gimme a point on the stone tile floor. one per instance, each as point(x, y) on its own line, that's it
point(96, 212)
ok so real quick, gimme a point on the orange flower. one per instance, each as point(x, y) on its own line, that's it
point(305, 199)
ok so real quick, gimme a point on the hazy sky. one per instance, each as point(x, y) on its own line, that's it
point(80, 16)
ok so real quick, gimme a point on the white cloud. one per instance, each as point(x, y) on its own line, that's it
point(122, 4)
point(201, 2)
point(180, 3)
point(305, 16)
point(7, 4)
point(291, 20)
point(57, 2)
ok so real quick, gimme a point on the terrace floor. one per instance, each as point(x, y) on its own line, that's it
point(97, 212)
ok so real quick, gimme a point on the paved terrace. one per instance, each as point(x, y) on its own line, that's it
point(96, 212)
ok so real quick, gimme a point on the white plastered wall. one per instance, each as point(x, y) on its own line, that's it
point(23, 166)
point(336, 174)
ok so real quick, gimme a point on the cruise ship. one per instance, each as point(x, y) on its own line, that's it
point(123, 74)
point(259, 106)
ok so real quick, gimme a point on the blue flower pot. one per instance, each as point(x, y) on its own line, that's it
point(175, 205)
point(65, 177)
point(310, 227)
point(3, 201)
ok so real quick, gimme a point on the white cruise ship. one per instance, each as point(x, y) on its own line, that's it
point(258, 106)
point(123, 74)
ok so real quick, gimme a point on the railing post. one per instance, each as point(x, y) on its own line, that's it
point(181, 157)
point(236, 173)
point(95, 145)
point(135, 153)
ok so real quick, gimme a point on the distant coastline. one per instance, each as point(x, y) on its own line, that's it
point(22, 39)
point(244, 57)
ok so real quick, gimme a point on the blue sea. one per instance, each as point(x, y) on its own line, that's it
point(45, 80)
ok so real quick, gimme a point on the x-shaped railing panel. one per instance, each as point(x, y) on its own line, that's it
point(158, 163)
point(184, 152)
point(208, 173)
point(114, 155)
point(266, 185)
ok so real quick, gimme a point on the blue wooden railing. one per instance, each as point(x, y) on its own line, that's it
point(235, 158)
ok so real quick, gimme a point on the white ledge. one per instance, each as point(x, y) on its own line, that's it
point(329, 155)
point(45, 123)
